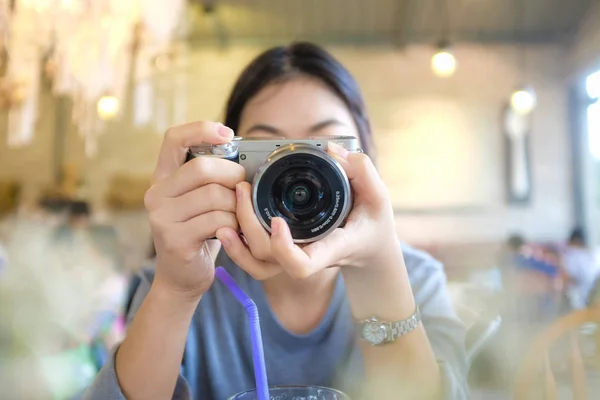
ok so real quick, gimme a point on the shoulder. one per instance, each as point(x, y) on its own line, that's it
point(137, 290)
point(420, 264)
point(414, 257)
point(427, 277)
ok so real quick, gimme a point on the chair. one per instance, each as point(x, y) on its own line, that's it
point(9, 196)
point(482, 321)
point(479, 334)
point(538, 358)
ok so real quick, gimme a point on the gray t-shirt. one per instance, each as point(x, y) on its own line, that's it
point(218, 359)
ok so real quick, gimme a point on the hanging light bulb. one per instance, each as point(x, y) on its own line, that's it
point(443, 62)
point(523, 100)
point(108, 106)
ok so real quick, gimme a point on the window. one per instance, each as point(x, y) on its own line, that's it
point(593, 113)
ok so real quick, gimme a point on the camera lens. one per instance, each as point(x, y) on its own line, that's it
point(307, 188)
point(300, 195)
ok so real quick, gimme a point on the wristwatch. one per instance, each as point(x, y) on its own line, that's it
point(377, 332)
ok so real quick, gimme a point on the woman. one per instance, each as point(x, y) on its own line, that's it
point(308, 311)
point(580, 270)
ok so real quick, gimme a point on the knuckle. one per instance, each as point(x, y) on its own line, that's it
point(260, 252)
point(362, 159)
point(154, 220)
point(200, 165)
point(150, 198)
point(220, 198)
point(299, 274)
point(171, 133)
point(224, 219)
point(158, 224)
point(233, 222)
point(233, 168)
point(204, 125)
point(229, 200)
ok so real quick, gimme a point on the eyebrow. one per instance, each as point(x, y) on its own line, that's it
point(274, 131)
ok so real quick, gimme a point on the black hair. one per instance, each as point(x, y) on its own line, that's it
point(79, 209)
point(300, 59)
point(515, 242)
point(578, 236)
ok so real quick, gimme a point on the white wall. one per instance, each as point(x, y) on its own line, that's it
point(584, 59)
point(584, 56)
point(439, 141)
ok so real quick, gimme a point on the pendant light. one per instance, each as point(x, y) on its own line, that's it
point(108, 107)
point(443, 62)
point(524, 99)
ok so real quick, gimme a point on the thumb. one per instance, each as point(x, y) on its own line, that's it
point(362, 174)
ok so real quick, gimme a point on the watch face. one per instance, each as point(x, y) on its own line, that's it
point(373, 332)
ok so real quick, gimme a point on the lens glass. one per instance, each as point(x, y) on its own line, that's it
point(300, 195)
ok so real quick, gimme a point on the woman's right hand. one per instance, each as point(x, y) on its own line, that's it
point(187, 204)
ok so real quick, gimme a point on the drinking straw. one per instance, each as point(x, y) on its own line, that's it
point(258, 355)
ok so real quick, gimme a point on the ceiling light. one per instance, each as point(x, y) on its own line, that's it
point(108, 107)
point(443, 62)
point(523, 100)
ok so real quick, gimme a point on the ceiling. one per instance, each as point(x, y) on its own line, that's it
point(395, 21)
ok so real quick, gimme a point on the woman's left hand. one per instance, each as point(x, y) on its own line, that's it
point(368, 236)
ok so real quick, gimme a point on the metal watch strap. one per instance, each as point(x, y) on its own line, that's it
point(401, 328)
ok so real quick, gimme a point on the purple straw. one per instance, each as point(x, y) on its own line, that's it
point(258, 355)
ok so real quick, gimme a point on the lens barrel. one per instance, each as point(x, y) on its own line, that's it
point(306, 187)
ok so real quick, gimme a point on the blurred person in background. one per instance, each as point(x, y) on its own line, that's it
point(309, 303)
point(508, 259)
point(581, 269)
point(78, 232)
point(60, 300)
point(78, 220)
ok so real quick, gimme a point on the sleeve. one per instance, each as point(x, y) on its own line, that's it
point(106, 385)
point(445, 330)
point(572, 267)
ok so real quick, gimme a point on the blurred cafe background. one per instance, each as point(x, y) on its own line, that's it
point(487, 126)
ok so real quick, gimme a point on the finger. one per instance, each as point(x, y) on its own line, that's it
point(294, 260)
point(241, 255)
point(333, 249)
point(202, 171)
point(362, 174)
point(257, 237)
point(211, 197)
point(178, 139)
point(205, 226)
point(185, 238)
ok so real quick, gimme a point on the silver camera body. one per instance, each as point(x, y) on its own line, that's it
point(295, 179)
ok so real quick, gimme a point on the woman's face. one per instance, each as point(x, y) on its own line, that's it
point(296, 109)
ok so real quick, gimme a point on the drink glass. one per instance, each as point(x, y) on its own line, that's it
point(295, 393)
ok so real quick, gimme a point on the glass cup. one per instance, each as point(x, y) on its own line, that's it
point(295, 393)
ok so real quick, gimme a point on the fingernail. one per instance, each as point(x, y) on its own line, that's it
point(276, 226)
point(224, 131)
point(225, 241)
point(337, 149)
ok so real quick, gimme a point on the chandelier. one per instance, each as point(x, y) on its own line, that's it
point(86, 50)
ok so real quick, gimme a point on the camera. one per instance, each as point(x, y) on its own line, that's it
point(295, 179)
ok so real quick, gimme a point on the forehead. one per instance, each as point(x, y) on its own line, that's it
point(294, 106)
